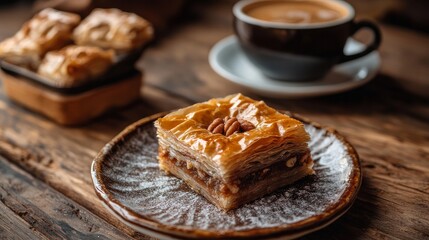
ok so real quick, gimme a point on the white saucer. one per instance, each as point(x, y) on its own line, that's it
point(227, 59)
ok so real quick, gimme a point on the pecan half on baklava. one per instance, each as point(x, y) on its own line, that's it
point(233, 150)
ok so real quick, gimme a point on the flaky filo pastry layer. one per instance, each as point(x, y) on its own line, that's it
point(184, 132)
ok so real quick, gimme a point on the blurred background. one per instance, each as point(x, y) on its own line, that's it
point(411, 14)
point(169, 15)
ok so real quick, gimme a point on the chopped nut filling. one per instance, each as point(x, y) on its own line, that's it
point(217, 185)
point(291, 162)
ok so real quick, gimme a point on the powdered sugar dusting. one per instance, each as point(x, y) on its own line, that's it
point(132, 176)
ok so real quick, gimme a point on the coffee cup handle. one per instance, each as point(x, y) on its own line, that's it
point(371, 47)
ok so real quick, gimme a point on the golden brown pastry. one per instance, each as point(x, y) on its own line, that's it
point(115, 29)
point(48, 30)
point(75, 65)
point(234, 149)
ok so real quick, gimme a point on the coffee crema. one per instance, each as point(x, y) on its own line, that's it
point(296, 12)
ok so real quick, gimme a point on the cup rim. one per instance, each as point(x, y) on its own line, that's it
point(238, 13)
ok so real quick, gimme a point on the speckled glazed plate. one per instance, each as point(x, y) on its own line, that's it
point(127, 180)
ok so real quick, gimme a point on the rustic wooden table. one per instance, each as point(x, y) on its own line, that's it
point(45, 185)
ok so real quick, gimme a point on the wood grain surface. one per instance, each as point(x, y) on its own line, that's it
point(43, 212)
point(45, 182)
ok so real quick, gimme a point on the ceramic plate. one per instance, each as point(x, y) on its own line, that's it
point(128, 181)
point(227, 59)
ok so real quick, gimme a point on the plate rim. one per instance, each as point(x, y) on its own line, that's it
point(299, 228)
point(297, 91)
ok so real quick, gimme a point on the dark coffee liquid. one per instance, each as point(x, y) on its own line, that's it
point(297, 12)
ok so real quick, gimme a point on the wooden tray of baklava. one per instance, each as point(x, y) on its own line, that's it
point(72, 71)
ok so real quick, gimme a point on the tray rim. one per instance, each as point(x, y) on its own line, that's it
point(296, 229)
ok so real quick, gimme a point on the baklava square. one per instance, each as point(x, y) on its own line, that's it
point(114, 29)
point(233, 150)
point(75, 65)
point(48, 30)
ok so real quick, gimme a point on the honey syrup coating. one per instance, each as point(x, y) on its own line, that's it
point(272, 128)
